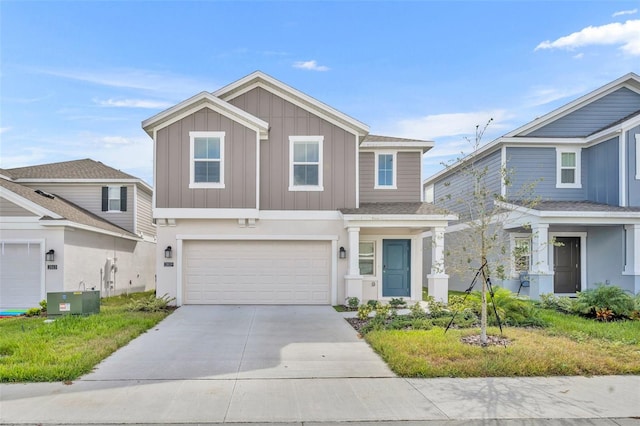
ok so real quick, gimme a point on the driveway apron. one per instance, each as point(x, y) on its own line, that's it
point(245, 342)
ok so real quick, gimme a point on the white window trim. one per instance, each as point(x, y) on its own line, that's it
point(320, 141)
point(429, 194)
point(513, 237)
point(578, 174)
point(373, 271)
point(119, 210)
point(637, 156)
point(192, 137)
point(395, 169)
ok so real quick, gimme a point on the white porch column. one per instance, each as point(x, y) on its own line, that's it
point(437, 280)
point(540, 277)
point(353, 279)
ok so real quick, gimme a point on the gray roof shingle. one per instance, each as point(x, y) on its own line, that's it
point(406, 208)
point(583, 206)
point(76, 169)
point(378, 138)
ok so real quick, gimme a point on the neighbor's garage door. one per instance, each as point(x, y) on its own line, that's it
point(257, 272)
point(20, 268)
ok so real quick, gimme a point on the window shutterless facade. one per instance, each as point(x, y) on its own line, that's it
point(207, 159)
point(568, 168)
point(385, 169)
point(305, 163)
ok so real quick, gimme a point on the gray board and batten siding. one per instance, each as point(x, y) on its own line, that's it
point(407, 176)
point(452, 191)
point(592, 117)
point(602, 172)
point(633, 186)
point(287, 119)
point(173, 164)
point(529, 164)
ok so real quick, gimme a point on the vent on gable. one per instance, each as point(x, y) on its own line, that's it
point(44, 194)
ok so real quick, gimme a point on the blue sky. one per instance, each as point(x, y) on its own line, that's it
point(77, 78)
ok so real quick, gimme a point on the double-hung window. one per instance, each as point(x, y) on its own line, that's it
point(207, 160)
point(522, 254)
point(367, 257)
point(385, 169)
point(568, 168)
point(305, 168)
point(114, 198)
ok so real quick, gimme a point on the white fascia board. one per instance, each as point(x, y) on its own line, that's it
point(204, 213)
point(75, 225)
point(275, 237)
point(196, 103)
point(528, 141)
point(423, 146)
point(258, 79)
point(300, 215)
point(578, 103)
point(27, 204)
point(574, 216)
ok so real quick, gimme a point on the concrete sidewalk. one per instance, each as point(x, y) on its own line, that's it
point(596, 400)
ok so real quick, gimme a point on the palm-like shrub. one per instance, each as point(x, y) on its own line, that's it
point(511, 309)
point(605, 303)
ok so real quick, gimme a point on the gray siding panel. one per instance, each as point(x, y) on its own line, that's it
point(143, 215)
point(452, 192)
point(173, 164)
point(286, 119)
point(89, 197)
point(530, 164)
point(593, 116)
point(408, 179)
point(633, 184)
point(603, 172)
point(9, 209)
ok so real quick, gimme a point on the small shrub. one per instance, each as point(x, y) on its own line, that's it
point(562, 304)
point(417, 311)
point(43, 305)
point(373, 303)
point(511, 310)
point(398, 303)
point(602, 299)
point(408, 323)
point(436, 309)
point(364, 311)
point(33, 312)
point(383, 311)
point(152, 304)
point(353, 302)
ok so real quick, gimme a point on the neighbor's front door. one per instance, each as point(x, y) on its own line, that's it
point(396, 268)
point(566, 263)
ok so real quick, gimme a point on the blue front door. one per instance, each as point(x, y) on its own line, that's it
point(396, 268)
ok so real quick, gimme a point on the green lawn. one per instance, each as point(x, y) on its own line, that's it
point(570, 345)
point(32, 351)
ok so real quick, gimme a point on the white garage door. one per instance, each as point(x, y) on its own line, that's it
point(20, 268)
point(257, 272)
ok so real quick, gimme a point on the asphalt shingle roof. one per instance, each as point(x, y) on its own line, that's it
point(62, 207)
point(406, 208)
point(378, 138)
point(76, 169)
point(583, 206)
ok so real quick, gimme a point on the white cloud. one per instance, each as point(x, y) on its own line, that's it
point(625, 12)
point(442, 125)
point(626, 34)
point(578, 56)
point(544, 95)
point(310, 65)
point(133, 103)
point(4, 129)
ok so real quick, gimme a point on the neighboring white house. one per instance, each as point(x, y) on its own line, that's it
point(71, 226)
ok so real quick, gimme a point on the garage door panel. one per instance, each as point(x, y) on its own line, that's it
point(20, 275)
point(257, 272)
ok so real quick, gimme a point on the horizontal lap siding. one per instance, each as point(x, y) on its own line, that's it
point(173, 164)
point(408, 179)
point(8, 209)
point(144, 220)
point(602, 179)
point(528, 165)
point(593, 116)
point(286, 119)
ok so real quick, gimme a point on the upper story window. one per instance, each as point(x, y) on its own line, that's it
point(568, 168)
point(114, 198)
point(207, 159)
point(305, 168)
point(385, 170)
point(429, 194)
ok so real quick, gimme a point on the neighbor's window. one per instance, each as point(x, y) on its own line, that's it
point(522, 254)
point(367, 257)
point(207, 159)
point(305, 172)
point(385, 170)
point(114, 198)
point(568, 168)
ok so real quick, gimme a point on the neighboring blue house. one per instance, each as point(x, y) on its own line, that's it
point(586, 159)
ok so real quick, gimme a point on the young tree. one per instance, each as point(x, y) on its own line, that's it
point(482, 243)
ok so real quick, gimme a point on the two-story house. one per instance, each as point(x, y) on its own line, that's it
point(583, 160)
point(265, 195)
point(72, 226)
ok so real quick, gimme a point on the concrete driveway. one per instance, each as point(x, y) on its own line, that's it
point(245, 342)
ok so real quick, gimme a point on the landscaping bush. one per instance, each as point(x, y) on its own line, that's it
point(152, 304)
point(562, 304)
point(353, 302)
point(605, 303)
point(397, 303)
point(435, 309)
point(511, 310)
point(364, 311)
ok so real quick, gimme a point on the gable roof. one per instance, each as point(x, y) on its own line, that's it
point(75, 170)
point(197, 102)
point(260, 79)
point(378, 141)
point(53, 208)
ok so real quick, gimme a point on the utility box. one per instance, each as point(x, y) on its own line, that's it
point(73, 302)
